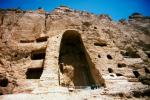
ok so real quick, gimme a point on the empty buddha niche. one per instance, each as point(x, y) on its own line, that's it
point(73, 65)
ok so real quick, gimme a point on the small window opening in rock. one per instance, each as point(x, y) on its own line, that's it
point(26, 41)
point(130, 54)
point(121, 94)
point(37, 55)
point(41, 39)
point(137, 94)
point(15, 55)
point(109, 56)
point(4, 82)
point(120, 65)
point(146, 92)
point(146, 70)
point(112, 75)
point(34, 73)
point(110, 70)
point(118, 74)
point(148, 54)
point(99, 56)
point(95, 27)
point(100, 44)
point(136, 73)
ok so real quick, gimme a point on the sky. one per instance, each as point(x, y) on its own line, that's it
point(117, 9)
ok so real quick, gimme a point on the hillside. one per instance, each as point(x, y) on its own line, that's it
point(68, 53)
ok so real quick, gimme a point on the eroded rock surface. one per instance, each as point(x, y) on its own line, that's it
point(66, 51)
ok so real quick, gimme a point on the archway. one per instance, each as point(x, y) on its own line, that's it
point(73, 64)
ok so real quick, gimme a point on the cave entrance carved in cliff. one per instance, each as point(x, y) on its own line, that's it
point(34, 73)
point(73, 65)
point(38, 54)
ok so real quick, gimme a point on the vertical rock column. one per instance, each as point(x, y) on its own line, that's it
point(50, 72)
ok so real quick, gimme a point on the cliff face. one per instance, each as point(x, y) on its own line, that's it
point(69, 48)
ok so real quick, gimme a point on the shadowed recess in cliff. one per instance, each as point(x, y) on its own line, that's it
point(34, 73)
point(73, 63)
point(38, 54)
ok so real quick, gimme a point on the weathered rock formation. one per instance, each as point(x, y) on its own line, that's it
point(43, 52)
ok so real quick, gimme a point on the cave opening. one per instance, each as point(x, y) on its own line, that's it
point(34, 73)
point(110, 70)
point(130, 54)
point(109, 56)
point(4, 82)
point(121, 65)
point(148, 55)
point(42, 39)
point(146, 70)
point(118, 74)
point(26, 41)
point(136, 73)
point(73, 64)
point(100, 44)
point(37, 55)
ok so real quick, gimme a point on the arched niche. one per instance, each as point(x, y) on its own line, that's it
point(75, 66)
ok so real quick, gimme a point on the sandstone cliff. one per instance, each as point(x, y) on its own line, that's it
point(42, 51)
